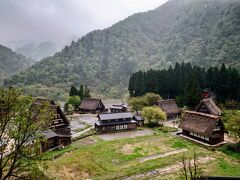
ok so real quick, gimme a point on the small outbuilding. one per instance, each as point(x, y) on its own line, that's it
point(208, 106)
point(91, 105)
point(118, 108)
point(170, 107)
point(203, 127)
point(115, 122)
point(52, 140)
point(140, 120)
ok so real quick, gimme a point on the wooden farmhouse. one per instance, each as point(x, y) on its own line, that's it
point(118, 108)
point(57, 132)
point(170, 108)
point(53, 140)
point(204, 127)
point(208, 106)
point(115, 122)
point(91, 106)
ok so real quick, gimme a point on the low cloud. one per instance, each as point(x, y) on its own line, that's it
point(60, 20)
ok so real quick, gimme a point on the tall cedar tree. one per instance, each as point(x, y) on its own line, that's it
point(86, 92)
point(193, 93)
point(81, 92)
point(73, 91)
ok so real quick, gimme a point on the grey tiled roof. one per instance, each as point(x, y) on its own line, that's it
point(115, 123)
point(109, 116)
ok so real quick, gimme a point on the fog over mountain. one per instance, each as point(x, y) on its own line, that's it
point(36, 21)
point(11, 62)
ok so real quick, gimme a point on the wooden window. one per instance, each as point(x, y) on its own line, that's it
point(218, 128)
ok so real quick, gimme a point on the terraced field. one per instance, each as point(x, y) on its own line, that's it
point(156, 156)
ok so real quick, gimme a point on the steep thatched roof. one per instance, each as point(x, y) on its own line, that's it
point(53, 107)
point(210, 105)
point(90, 104)
point(169, 106)
point(199, 123)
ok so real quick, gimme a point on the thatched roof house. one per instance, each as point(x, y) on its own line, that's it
point(91, 106)
point(58, 131)
point(204, 127)
point(58, 122)
point(208, 106)
point(170, 107)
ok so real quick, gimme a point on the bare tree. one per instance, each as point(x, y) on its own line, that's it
point(190, 167)
point(184, 165)
point(20, 138)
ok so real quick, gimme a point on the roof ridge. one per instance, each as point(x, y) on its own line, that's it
point(203, 114)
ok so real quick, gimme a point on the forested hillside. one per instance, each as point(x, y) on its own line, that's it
point(202, 32)
point(11, 62)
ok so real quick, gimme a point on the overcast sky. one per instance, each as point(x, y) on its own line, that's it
point(58, 20)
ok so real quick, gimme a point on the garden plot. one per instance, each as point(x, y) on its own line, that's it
point(123, 158)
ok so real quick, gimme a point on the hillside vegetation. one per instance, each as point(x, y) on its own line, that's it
point(204, 33)
point(11, 62)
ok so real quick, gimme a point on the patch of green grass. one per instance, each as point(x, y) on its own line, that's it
point(230, 152)
point(166, 129)
point(57, 153)
point(121, 158)
point(225, 167)
point(179, 144)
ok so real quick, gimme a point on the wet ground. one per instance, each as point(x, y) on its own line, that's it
point(80, 122)
point(126, 134)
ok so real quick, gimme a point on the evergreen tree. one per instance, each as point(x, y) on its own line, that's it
point(86, 92)
point(193, 93)
point(81, 92)
point(66, 108)
point(172, 83)
point(223, 86)
point(73, 91)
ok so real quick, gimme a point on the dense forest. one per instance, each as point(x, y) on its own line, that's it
point(185, 83)
point(203, 33)
point(11, 62)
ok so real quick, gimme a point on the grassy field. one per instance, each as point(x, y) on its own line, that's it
point(121, 158)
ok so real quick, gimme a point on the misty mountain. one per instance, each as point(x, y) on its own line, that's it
point(202, 32)
point(11, 62)
point(38, 51)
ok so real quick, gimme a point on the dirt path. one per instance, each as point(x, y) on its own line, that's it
point(167, 170)
point(82, 132)
point(162, 155)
